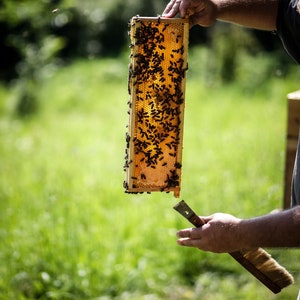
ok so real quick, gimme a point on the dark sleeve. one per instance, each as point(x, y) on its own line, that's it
point(295, 199)
point(288, 26)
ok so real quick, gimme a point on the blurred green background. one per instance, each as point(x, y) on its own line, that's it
point(67, 229)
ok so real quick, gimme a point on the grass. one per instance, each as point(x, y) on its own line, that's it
point(67, 229)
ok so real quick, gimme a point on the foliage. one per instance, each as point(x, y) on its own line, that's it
point(67, 229)
point(29, 37)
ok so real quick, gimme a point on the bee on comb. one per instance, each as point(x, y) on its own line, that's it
point(156, 85)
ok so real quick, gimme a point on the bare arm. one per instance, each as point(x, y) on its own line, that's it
point(259, 14)
point(225, 233)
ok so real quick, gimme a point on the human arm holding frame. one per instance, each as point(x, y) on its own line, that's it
point(223, 232)
point(259, 14)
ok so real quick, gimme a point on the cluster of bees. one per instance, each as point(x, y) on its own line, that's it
point(156, 87)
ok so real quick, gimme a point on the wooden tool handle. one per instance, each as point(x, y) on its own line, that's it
point(238, 256)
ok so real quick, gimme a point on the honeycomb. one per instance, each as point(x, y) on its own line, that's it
point(156, 85)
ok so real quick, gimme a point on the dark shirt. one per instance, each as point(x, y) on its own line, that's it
point(288, 29)
point(288, 26)
point(295, 199)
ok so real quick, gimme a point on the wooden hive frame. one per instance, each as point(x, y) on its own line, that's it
point(156, 84)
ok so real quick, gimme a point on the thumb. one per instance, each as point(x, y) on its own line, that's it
point(206, 219)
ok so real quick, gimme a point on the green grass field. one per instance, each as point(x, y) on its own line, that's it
point(68, 230)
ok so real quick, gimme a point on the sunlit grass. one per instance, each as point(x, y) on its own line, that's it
point(67, 229)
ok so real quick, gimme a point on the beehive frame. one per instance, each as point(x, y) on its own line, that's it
point(156, 85)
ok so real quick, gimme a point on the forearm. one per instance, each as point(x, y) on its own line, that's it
point(226, 233)
point(259, 14)
point(280, 229)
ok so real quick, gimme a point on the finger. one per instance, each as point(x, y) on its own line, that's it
point(193, 233)
point(207, 218)
point(186, 9)
point(172, 9)
point(168, 8)
point(192, 22)
point(187, 242)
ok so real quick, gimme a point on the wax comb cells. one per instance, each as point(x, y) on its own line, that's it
point(156, 86)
